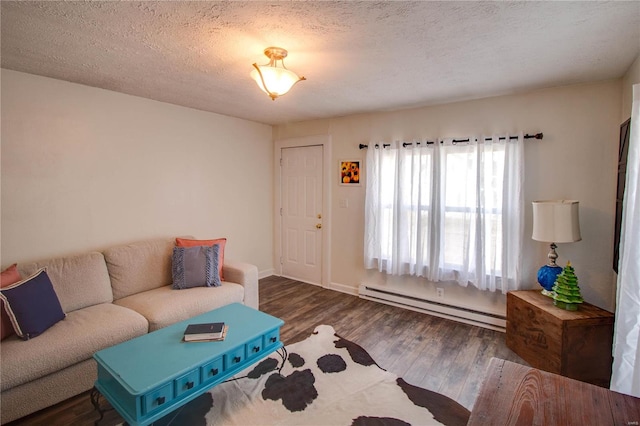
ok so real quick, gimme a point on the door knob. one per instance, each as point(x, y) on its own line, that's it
point(318, 225)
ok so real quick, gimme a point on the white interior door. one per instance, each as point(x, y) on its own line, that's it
point(301, 211)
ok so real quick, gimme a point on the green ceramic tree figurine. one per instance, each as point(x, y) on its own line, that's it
point(566, 293)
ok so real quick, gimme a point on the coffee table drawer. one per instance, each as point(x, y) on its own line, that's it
point(233, 358)
point(271, 338)
point(212, 370)
point(187, 383)
point(157, 398)
point(254, 347)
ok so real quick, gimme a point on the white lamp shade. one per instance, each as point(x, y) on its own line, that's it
point(556, 221)
point(278, 80)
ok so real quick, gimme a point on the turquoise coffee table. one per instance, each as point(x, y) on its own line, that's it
point(147, 377)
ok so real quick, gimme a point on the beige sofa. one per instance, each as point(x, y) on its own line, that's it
point(108, 297)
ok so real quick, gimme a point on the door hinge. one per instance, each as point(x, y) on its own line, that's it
point(281, 260)
point(281, 162)
point(280, 211)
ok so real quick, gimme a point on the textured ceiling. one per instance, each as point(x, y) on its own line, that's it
point(357, 56)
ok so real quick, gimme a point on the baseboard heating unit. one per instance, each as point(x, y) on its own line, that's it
point(468, 316)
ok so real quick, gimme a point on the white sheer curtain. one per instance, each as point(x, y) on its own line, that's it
point(447, 211)
point(626, 356)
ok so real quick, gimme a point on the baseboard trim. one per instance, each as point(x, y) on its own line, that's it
point(266, 273)
point(467, 316)
point(343, 288)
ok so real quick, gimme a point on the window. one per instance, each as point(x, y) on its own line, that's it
point(446, 211)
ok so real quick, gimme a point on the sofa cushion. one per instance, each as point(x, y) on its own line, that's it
point(195, 267)
point(222, 242)
point(67, 343)
point(32, 305)
point(165, 306)
point(139, 266)
point(79, 281)
point(9, 276)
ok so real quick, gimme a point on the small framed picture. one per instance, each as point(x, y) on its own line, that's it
point(350, 173)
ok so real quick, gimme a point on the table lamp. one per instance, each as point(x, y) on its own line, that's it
point(554, 221)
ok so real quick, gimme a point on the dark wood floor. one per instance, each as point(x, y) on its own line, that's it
point(435, 353)
point(431, 352)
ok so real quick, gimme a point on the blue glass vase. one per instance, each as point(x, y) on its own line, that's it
point(547, 278)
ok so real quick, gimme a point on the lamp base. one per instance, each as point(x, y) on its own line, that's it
point(547, 278)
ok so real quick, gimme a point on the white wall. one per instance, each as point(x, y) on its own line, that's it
point(577, 159)
point(631, 77)
point(85, 168)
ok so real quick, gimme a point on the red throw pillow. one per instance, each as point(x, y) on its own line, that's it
point(183, 242)
point(9, 276)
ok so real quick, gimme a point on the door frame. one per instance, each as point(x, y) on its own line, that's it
point(325, 142)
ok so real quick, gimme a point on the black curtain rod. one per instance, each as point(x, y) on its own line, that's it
point(455, 141)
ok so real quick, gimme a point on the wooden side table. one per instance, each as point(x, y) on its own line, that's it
point(575, 344)
point(512, 394)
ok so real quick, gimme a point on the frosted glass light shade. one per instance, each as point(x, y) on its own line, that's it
point(278, 80)
point(556, 221)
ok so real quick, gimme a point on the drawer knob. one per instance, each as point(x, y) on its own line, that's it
point(160, 400)
point(273, 340)
point(189, 385)
point(214, 371)
point(256, 348)
point(236, 359)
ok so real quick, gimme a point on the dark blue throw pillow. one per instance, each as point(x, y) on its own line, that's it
point(32, 305)
point(195, 267)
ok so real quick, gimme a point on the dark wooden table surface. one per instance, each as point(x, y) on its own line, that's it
point(513, 394)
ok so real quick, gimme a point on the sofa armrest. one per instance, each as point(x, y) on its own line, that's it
point(246, 275)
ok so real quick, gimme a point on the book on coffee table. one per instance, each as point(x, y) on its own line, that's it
point(206, 331)
point(217, 339)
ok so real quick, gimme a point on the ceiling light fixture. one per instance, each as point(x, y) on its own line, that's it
point(272, 79)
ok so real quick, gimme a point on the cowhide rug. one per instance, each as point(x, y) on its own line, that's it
point(325, 380)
